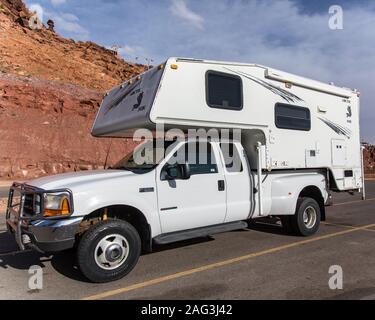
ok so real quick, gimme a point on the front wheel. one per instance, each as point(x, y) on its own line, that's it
point(108, 251)
point(306, 220)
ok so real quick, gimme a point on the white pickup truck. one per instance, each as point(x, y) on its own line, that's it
point(110, 216)
point(299, 141)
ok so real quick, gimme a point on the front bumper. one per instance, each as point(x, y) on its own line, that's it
point(49, 235)
point(45, 235)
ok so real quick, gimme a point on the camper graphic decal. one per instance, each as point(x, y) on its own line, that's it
point(121, 95)
point(138, 106)
point(337, 128)
point(286, 95)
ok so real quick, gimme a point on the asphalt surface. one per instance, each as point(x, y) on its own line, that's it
point(261, 262)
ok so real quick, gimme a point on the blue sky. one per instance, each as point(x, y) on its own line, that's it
point(290, 35)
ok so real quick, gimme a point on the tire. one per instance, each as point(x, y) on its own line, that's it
point(108, 250)
point(306, 220)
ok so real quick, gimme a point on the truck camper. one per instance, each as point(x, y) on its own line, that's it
point(225, 143)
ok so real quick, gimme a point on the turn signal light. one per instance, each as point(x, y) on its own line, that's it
point(65, 210)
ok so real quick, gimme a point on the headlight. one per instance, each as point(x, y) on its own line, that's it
point(56, 204)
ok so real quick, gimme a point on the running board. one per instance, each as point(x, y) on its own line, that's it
point(199, 232)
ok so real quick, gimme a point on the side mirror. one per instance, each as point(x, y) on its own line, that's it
point(177, 171)
point(185, 171)
point(171, 172)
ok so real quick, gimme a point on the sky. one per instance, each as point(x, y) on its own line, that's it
point(301, 37)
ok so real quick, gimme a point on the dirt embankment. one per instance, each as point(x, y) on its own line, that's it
point(45, 129)
point(43, 53)
point(50, 90)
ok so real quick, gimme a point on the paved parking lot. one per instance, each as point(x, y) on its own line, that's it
point(261, 262)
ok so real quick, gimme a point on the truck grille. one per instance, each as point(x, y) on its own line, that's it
point(31, 205)
point(27, 202)
point(24, 200)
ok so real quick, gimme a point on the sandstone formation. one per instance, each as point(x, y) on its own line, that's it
point(369, 159)
point(50, 90)
point(45, 129)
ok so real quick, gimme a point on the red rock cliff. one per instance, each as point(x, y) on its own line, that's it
point(50, 90)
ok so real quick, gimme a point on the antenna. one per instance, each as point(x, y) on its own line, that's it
point(149, 61)
point(107, 154)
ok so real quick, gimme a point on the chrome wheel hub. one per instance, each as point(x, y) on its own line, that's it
point(309, 217)
point(111, 251)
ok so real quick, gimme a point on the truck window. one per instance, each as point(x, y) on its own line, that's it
point(223, 90)
point(232, 157)
point(144, 157)
point(292, 117)
point(200, 157)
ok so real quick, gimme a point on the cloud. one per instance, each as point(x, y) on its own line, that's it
point(135, 53)
point(58, 2)
point(179, 9)
point(36, 7)
point(70, 23)
point(131, 51)
point(69, 17)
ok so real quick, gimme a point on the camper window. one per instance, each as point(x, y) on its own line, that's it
point(223, 90)
point(292, 117)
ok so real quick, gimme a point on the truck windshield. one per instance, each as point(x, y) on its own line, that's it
point(145, 156)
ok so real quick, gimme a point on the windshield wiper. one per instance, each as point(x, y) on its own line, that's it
point(140, 168)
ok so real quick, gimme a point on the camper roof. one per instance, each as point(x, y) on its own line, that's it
point(281, 76)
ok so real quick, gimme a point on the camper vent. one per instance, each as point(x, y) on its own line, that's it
point(189, 60)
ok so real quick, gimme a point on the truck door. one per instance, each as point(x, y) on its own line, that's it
point(198, 201)
point(238, 181)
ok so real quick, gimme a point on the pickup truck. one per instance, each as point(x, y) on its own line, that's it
point(111, 216)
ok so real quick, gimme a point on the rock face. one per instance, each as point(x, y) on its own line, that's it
point(50, 90)
point(44, 54)
point(45, 129)
point(369, 159)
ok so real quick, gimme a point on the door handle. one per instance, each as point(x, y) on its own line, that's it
point(221, 185)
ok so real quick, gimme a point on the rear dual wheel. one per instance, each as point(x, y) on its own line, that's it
point(306, 220)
